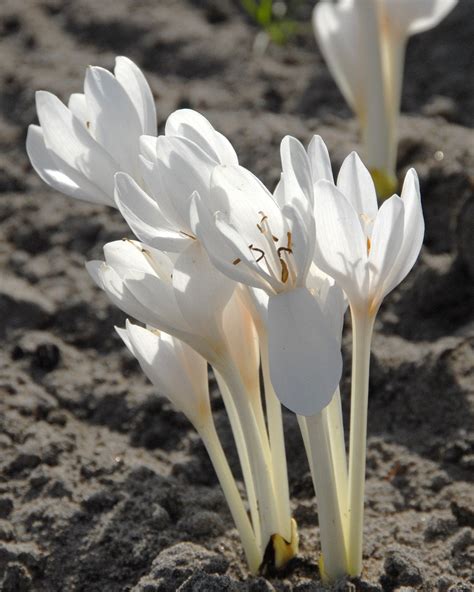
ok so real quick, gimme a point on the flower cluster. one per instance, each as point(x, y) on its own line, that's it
point(224, 272)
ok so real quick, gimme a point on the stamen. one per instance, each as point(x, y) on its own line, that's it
point(289, 241)
point(284, 271)
point(369, 244)
point(188, 235)
point(285, 249)
point(262, 253)
point(236, 261)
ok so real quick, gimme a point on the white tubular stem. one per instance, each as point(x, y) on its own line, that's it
point(277, 445)
point(242, 453)
point(252, 550)
point(333, 416)
point(362, 327)
point(259, 461)
point(304, 434)
point(256, 402)
point(375, 127)
point(394, 61)
point(333, 545)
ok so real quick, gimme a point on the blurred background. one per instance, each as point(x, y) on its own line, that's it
point(103, 486)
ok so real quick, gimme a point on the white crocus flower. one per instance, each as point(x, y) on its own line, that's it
point(77, 149)
point(256, 241)
point(187, 298)
point(180, 374)
point(368, 251)
point(363, 43)
point(174, 166)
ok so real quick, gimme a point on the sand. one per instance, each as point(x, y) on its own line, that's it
point(103, 485)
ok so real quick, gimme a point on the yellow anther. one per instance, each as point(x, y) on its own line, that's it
point(284, 271)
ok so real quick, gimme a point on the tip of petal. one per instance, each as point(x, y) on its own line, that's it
point(93, 269)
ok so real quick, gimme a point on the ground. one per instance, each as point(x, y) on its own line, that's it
point(103, 486)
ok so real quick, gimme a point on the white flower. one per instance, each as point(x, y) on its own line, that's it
point(268, 242)
point(180, 374)
point(77, 149)
point(363, 43)
point(174, 166)
point(185, 298)
point(368, 251)
point(178, 371)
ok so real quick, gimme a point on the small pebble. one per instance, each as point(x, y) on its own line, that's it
point(46, 356)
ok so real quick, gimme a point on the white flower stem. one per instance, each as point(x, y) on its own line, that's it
point(304, 433)
point(242, 453)
point(256, 402)
point(331, 529)
point(362, 327)
point(259, 460)
point(213, 445)
point(333, 414)
point(393, 51)
point(277, 445)
point(372, 113)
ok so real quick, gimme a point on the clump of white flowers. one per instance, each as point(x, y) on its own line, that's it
point(224, 272)
point(363, 43)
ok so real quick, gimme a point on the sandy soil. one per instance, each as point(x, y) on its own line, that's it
point(103, 486)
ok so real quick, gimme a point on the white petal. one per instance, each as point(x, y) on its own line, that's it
point(182, 168)
point(136, 267)
point(241, 335)
point(257, 302)
point(178, 372)
point(279, 193)
point(386, 241)
point(93, 268)
point(148, 147)
point(66, 136)
point(144, 217)
point(305, 359)
point(336, 33)
point(408, 17)
point(243, 201)
point(201, 291)
point(225, 247)
point(319, 160)
point(134, 82)
point(354, 181)
point(114, 120)
point(297, 176)
point(150, 175)
point(123, 334)
point(413, 231)
point(57, 173)
point(109, 281)
point(341, 246)
point(303, 237)
point(334, 305)
point(195, 127)
point(78, 107)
